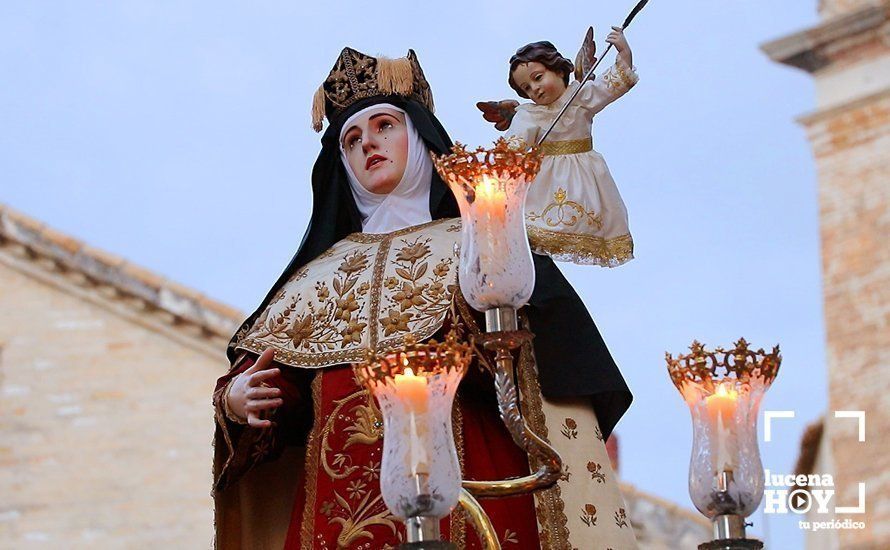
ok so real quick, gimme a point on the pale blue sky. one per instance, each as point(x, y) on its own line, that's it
point(177, 134)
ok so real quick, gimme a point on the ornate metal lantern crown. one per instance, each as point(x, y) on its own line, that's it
point(706, 368)
point(509, 159)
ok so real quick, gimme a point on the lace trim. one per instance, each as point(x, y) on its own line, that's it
point(582, 249)
point(224, 404)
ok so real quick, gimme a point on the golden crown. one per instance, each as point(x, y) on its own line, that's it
point(704, 367)
point(357, 76)
point(509, 159)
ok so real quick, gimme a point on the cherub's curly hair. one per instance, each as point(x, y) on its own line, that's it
point(544, 53)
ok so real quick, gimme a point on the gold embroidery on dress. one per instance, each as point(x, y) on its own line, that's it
point(422, 303)
point(313, 454)
point(510, 536)
point(567, 213)
point(584, 249)
point(618, 80)
point(458, 518)
point(317, 325)
point(358, 508)
point(370, 292)
point(362, 430)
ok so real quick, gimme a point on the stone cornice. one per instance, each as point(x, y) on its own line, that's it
point(38, 248)
point(811, 49)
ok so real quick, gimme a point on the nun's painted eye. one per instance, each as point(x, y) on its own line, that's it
point(385, 125)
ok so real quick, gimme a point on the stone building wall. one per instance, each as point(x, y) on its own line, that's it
point(105, 416)
point(849, 58)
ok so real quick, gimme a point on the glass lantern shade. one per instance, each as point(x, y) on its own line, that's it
point(496, 268)
point(723, 390)
point(420, 472)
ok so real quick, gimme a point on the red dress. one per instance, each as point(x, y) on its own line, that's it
point(337, 502)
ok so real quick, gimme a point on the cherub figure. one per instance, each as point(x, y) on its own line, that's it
point(573, 211)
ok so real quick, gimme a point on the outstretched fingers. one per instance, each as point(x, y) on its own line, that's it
point(263, 362)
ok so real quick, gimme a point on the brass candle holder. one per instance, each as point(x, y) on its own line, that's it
point(724, 389)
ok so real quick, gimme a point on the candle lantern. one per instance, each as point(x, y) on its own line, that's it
point(420, 478)
point(723, 390)
point(497, 277)
point(490, 185)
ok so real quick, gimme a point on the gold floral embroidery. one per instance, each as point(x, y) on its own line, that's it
point(588, 515)
point(316, 325)
point(395, 322)
point(566, 474)
point(570, 428)
point(367, 428)
point(618, 80)
point(420, 300)
point(563, 212)
point(357, 519)
point(598, 433)
point(359, 507)
point(362, 430)
point(367, 291)
point(510, 536)
point(595, 472)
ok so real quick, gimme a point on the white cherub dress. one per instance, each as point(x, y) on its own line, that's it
point(573, 210)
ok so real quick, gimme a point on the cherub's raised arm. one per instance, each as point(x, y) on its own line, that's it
point(608, 87)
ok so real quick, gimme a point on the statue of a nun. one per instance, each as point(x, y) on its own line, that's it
point(298, 443)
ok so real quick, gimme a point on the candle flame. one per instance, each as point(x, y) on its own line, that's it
point(724, 392)
point(488, 188)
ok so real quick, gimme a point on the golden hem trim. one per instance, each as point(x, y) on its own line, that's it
point(458, 531)
point(329, 359)
point(365, 238)
point(313, 455)
point(582, 249)
point(552, 520)
point(222, 421)
point(567, 147)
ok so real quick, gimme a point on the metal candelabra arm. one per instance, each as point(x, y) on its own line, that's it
point(502, 336)
point(480, 520)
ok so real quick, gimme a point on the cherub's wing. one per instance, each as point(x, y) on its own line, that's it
point(586, 55)
point(499, 112)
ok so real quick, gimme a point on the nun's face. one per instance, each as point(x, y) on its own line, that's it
point(376, 146)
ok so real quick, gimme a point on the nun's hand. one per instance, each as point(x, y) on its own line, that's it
point(250, 395)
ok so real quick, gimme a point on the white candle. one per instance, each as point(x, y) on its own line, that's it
point(721, 408)
point(491, 210)
point(413, 391)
